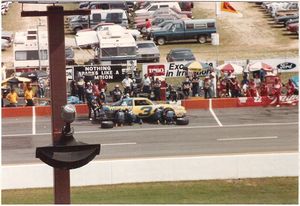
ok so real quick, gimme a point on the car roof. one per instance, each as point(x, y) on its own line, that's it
point(180, 49)
point(145, 41)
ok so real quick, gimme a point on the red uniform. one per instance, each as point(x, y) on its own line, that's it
point(252, 89)
point(277, 92)
point(290, 88)
point(102, 84)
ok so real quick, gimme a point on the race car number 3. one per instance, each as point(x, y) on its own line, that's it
point(145, 111)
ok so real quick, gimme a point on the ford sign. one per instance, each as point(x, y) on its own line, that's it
point(286, 66)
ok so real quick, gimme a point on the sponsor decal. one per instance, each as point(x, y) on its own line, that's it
point(286, 66)
point(265, 101)
point(156, 70)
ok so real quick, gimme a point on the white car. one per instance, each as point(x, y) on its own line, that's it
point(147, 51)
point(4, 44)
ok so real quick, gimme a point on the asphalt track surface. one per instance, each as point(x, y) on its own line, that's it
point(229, 131)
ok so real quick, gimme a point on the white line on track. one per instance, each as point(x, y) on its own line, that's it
point(213, 113)
point(165, 128)
point(246, 138)
point(33, 121)
point(119, 144)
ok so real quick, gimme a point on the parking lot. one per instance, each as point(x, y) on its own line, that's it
point(253, 36)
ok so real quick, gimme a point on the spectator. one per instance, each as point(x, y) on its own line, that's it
point(156, 89)
point(134, 88)
point(245, 80)
point(234, 87)
point(28, 96)
point(102, 84)
point(186, 87)
point(41, 88)
point(264, 90)
point(223, 88)
point(95, 88)
point(102, 97)
point(146, 84)
point(116, 93)
point(12, 98)
point(81, 86)
point(89, 98)
point(73, 88)
point(277, 91)
point(173, 93)
point(195, 85)
point(207, 87)
point(252, 89)
point(127, 82)
point(290, 88)
point(257, 81)
point(148, 25)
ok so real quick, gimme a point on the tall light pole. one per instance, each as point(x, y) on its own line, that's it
point(38, 42)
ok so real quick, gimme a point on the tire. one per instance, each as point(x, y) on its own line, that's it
point(202, 39)
point(182, 121)
point(161, 41)
point(107, 124)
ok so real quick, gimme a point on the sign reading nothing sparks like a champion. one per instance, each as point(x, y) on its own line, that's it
point(105, 72)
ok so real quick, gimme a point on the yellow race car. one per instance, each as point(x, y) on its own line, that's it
point(143, 107)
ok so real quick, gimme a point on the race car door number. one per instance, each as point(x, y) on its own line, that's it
point(145, 111)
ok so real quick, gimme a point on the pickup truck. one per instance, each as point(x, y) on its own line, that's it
point(198, 29)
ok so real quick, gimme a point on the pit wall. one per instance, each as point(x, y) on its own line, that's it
point(192, 103)
point(106, 172)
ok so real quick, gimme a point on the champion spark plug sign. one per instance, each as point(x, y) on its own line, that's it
point(109, 73)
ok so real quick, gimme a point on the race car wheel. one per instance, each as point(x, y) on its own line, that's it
point(182, 121)
point(107, 124)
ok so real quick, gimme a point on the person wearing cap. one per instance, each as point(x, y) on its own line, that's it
point(28, 96)
point(146, 88)
point(116, 93)
point(12, 98)
point(207, 87)
point(80, 86)
point(186, 87)
point(126, 83)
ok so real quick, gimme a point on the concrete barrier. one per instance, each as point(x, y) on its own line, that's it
point(157, 169)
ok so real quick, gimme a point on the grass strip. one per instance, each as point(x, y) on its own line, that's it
point(283, 190)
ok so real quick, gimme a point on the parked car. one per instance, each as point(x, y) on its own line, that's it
point(290, 7)
point(69, 56)
point(4, 44)
point(105, 5)
point(117, 16)
point(9, 36)
point(284, 19)
point(294, 28)
point(198, 29)
point(184, 54)
point(163, 11)
point(153, 6)
point(147, 51)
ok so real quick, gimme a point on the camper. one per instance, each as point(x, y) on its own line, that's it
point(25, 50)
point(113, 45)
point(116, 16)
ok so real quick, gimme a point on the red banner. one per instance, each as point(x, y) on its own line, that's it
point(266, 101)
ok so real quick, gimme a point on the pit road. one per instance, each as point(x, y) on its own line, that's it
point(242, 131)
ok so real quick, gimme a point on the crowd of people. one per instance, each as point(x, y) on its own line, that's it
point(148, 86)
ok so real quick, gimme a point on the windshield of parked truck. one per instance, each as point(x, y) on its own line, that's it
point(168, 26)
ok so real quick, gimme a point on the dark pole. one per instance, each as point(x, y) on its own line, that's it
point(56, 42)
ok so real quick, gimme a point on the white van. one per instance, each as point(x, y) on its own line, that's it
point(152, 7)
point(116, 16)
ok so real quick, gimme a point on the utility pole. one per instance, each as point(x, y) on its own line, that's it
point(56, 41)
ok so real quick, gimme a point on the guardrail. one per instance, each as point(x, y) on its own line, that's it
point(105, 172)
